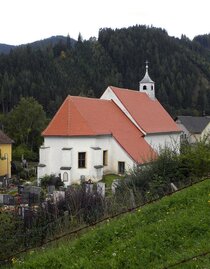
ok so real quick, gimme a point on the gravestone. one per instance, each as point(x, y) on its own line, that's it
point(115, 184)
point(50, 189)
point(58, 195)
point(20, 189)
point(5, 182)
point(6, 199)
point(1, 199)
point(101, 188)
point(32, 189)
point(30, 195)
point(88, 187)
point(82, 179)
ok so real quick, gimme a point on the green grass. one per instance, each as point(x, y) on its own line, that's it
point(108, 179)
point(196, 263)
point(155, 236)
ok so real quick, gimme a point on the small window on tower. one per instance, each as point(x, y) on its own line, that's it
point(152, 87)
point(144, 87)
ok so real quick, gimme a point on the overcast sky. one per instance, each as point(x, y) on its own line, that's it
point(25, 21)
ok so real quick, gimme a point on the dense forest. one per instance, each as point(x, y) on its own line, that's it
point(180, 68)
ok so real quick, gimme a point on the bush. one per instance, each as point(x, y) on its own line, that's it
point(196, 159)
point(52, 179)
point(10, 226)
point(153, 180)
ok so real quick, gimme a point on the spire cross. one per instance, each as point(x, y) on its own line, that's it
point(146, 64)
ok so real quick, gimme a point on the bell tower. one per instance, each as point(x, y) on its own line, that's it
point(147, 85)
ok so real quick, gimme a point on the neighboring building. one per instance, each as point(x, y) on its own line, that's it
point(5, 154)
point(194, 129)
point(90, 137)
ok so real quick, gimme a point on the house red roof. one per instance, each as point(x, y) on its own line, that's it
point(81, 116)
point(148, 113)
point(4, 139)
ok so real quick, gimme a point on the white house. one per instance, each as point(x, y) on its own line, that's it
point(193, 128)
point(90, 137)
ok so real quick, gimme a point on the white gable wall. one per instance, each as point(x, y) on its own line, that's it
point(93, 146)
point(163, 140)
point(206, 132)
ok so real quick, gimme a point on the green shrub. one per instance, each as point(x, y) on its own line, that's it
point(153, 180)
point(10, 226)
point(196, 159)
point(52, 179)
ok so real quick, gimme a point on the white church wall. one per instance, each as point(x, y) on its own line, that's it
point(93, 147)
point(161, 141)
point(119, 155)
point(96, 154)
point(66, 156)
point(44, 153)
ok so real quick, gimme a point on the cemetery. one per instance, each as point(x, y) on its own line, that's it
point(35, 215)
point(15, 196)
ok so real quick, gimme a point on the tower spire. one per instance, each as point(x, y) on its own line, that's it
point(147, 85)
point(146, 65)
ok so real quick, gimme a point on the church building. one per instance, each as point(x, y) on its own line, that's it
point(90, 137)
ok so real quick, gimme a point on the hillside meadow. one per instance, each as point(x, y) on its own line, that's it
point(158, 235)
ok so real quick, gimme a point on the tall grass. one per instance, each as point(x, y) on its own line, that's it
point(155, 236)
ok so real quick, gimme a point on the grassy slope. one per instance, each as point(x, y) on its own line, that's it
point(156, 236)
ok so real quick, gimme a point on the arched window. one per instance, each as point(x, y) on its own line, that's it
point(144, 87)
point(152, 87)
point(65, 177)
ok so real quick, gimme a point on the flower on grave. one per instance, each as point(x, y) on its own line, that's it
point(14, 260)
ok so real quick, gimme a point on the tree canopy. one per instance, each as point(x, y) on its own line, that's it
point(179, 67)
point(25, 122)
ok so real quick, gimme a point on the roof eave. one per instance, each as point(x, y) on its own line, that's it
point(79, 135)
point(164, 132)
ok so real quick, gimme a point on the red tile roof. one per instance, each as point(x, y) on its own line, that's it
point(149, 114)
point(81, 116)
point(4, 139)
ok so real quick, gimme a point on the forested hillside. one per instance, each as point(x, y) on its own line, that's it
point(4, 48)
point(204, 40)
point(179, 67)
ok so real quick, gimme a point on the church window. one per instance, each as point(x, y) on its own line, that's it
point(81, 159)
point(152, 87)
point(65, 177)
point(121, 167)
point(105, 157)
point(144, 87)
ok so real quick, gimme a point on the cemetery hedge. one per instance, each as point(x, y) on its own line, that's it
point(153, 236)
